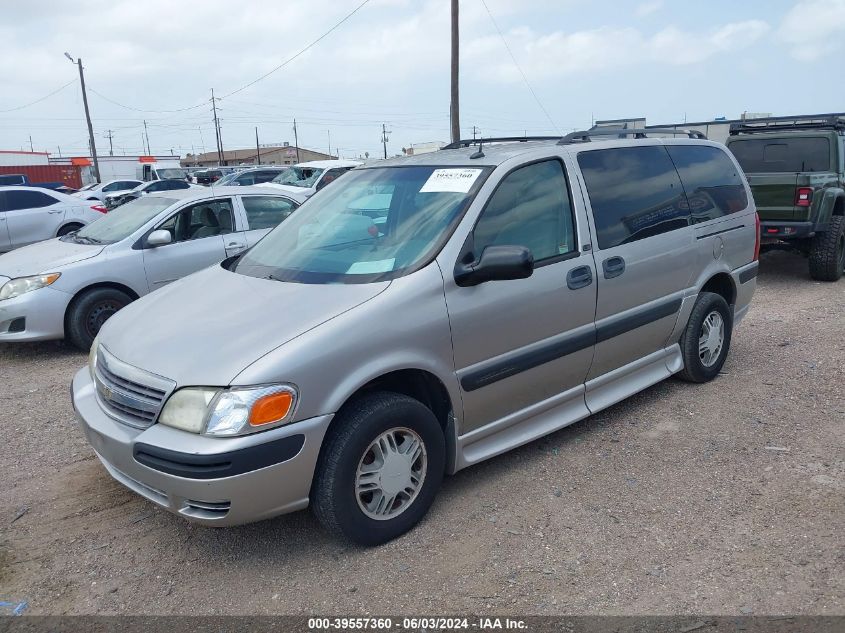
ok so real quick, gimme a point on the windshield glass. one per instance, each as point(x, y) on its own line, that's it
point(225, 180)
point(782, 155)
point(376, 224)
point(299, 176)
point(123, 221)
point(173, 172)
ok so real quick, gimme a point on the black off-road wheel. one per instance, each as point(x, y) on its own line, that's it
point(827, 252)
point(89, 311)
point(707, 338)
point(380, 468)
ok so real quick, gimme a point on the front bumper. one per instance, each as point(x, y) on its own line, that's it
point(263, 486)
point(42, 311)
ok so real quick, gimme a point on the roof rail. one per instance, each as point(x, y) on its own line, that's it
point(776, 124)
point(584, 135)
point(469, 142)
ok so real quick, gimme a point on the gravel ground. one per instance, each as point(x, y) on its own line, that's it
point(725, 498)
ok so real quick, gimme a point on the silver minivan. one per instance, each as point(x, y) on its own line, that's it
point(69, 287)
point(486, 297)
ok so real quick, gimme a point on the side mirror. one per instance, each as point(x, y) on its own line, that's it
point(159, 238)
point(497, 263)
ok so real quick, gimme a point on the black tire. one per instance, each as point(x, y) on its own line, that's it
point(357, 426)
point(68, 228)
point(695, 370)
point(89, 311)
point(827, 252)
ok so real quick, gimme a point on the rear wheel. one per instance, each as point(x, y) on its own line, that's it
point(68, 228)
point(827, 253)
point(90, 311)
point(380, 468)
point(707, 338)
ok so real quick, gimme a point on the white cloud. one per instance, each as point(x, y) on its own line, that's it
point(647, 8)
point(560, 53)
point(814, 28)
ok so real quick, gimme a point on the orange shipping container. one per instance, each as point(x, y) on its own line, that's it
point(70, 175)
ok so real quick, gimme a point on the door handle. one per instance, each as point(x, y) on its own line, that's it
point(613, 267)
point(579, 277)
point(54, 212)
point(235, 245)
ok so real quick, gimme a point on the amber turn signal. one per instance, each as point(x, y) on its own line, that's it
point(270, 408)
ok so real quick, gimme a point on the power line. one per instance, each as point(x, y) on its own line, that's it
point(293, 57)
point(102, 96)
point(32, 103)
point(518, 67)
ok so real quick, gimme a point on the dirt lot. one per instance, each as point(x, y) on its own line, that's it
point(726, 498)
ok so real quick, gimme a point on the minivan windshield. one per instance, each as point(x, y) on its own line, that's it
point(299, 176)
point(377, 224)
point(122, 222)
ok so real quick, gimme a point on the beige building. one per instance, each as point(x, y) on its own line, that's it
point(271, 155)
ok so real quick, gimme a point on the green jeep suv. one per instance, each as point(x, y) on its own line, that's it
point(796, 169)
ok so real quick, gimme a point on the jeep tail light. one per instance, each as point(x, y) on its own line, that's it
point(803, 196)
point(757, 239)
point(100, 208)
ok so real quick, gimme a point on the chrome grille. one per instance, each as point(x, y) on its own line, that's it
point(128, 394)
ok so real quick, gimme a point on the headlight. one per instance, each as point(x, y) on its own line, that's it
point(229, 412)
point(16, 287)
point(92, 356)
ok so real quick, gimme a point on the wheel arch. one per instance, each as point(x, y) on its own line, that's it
point(100, 284)
point(721, 284)
point(75, 223)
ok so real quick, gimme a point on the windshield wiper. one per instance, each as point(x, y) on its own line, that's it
point(81, 239)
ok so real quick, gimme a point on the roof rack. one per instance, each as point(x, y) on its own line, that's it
point(584, 135)
point(776, 124)
point(469, 142)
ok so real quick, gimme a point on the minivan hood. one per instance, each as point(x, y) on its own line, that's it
point(45, 257)
point(205, 329)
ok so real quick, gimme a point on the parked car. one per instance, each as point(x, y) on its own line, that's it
point(31, 214)
point(312, 176)
point(208, 176)
point(796, 169)
point(513, 290)
point(24, 180)
point(155, 186)
point(99, 190)
point(255, 176)
point(137, 248)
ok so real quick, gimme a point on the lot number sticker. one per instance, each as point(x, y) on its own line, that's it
point(450, 180)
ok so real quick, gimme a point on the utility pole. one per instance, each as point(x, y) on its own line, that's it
point(474, 129)
point(329, 132)
point(111, 147)
point(30, 144)
point(296, 141)
point(384, 139)
point(454, 111)
point(257, 148)
point(59, 147)
point(217, 130)
point(78, 62)
point(147, 134)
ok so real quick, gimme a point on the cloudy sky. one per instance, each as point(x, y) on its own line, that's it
point(667, 60)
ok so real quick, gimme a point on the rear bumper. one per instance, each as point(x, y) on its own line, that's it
point(213, 481)
point(787, 230)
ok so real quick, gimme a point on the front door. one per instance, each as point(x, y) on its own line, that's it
point(198, 233)
point(32, 216)
point(518, 343)
point(644, 250)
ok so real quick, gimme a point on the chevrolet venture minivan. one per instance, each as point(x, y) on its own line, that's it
point(354, 356)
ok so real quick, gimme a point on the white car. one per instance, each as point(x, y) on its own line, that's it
point(135, 249)
point(99, 190)
point(33, 214)
point(154, 186)
point(310, 177)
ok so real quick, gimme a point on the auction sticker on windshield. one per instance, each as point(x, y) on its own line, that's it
point(450, 180)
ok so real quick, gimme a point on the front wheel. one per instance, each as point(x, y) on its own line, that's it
point(827, 253)
point(90, 311)
point(68, 229)
point(380, 468)
point(707, 338)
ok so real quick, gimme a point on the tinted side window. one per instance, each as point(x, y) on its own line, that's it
point(330, 176)
point(265, 176)
point(634, 192)
point(175, 184)
point(782, 155)
point(531, 208)
point(27, 200)
point(711, 181)
point(265, 212)
point(203, 219)
point(115, 186)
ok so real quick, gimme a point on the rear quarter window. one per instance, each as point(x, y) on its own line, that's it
point(712, 182)
point(635, 193)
